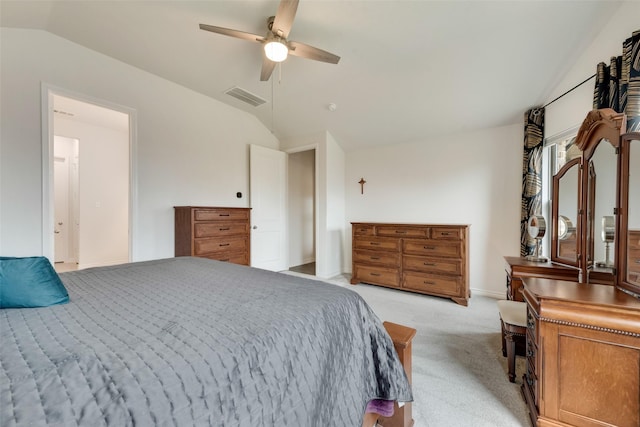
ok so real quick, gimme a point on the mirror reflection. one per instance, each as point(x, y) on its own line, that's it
point(567, 213)
point(633, 236)
point(602, 201)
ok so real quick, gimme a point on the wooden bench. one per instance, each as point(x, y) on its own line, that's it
point(401, 337)
point(513, 322)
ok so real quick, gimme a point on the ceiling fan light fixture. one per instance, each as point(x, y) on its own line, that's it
point(276, 50)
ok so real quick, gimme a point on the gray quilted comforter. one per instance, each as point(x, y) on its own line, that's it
point(190, 341)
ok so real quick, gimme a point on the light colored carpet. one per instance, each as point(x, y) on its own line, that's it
point(459, 373)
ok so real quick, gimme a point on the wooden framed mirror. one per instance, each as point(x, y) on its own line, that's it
point(628, 244)
point(601, 203)
point(565, 213)
point(585, 188)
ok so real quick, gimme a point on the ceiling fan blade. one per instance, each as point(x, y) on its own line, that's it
point(232, 33)
point(267, 68)
point(305, 51)
point(284, 17)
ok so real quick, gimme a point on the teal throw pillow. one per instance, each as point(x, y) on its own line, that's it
point(30, 282)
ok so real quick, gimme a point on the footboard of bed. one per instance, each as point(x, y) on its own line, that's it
point(401, 336)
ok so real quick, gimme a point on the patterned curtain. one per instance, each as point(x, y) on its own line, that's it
point(531, 175)
point(618, 84)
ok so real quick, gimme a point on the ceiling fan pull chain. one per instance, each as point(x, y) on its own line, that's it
point(272, 102)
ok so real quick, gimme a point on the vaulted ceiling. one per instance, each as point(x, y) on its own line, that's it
point(409, 70)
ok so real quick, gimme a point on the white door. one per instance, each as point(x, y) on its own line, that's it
point(268, 208)
point(61, 201)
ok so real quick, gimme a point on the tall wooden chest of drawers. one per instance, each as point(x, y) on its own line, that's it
point(213, 232)
point(428, 259)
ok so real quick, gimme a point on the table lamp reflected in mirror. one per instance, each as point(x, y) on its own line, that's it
point(536, 227)
point(608, 236)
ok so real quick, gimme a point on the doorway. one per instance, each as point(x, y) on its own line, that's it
point(87, 208)
point(302, 205)
point(66, 221)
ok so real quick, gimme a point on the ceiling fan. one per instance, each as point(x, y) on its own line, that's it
point(276, 45)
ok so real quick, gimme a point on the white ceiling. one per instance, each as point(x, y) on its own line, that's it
point(409, 70)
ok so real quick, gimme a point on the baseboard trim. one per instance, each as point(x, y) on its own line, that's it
point(102, 263)
point(486, 293)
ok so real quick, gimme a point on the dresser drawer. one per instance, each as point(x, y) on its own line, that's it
point(432, 265)
point(378, 243)
point(402, 231)
point(219, 229)
point(531, 382)
point(531, 350)
point(363, 230)
point(234, 258)
point(220, 214)
point(442, 233)
point(437, 248)
point(377, 257)
point(210, 245)
point(532, 325)
point(377, 275)
point(431, 283)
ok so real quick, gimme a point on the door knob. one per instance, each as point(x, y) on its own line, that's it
point(56, 232)
point(255, 227)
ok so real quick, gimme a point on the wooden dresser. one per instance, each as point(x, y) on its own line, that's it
point(519, 268)
point(423, 258)
point(213, 232)
point(583, 354)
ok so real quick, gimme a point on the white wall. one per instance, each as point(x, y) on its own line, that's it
point(191, 149)
point(571, 109)
point(336, 209)
point(103, 192)
point(472, 178)
point(301, 178)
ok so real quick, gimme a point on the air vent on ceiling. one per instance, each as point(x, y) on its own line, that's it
point(245, 96)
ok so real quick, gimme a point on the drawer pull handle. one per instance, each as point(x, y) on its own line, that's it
point(429, 247)
point(224, 244)
point(428, 282)
point(223, 215)
point(445, 233)
point(430, 264)
point(374, 243)
point(638, 261)
point(375, 257)
point(225, 260)
point(400, 232)
point(225, 229)
point(375, 274)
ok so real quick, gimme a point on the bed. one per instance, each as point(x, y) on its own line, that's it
point(190, 341)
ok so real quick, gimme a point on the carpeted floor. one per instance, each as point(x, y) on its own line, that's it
point(459, 373)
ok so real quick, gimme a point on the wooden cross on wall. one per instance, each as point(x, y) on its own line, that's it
point(362, 182)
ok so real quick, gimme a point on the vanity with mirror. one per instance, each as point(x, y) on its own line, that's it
point(583, 305)
point(584, 199)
